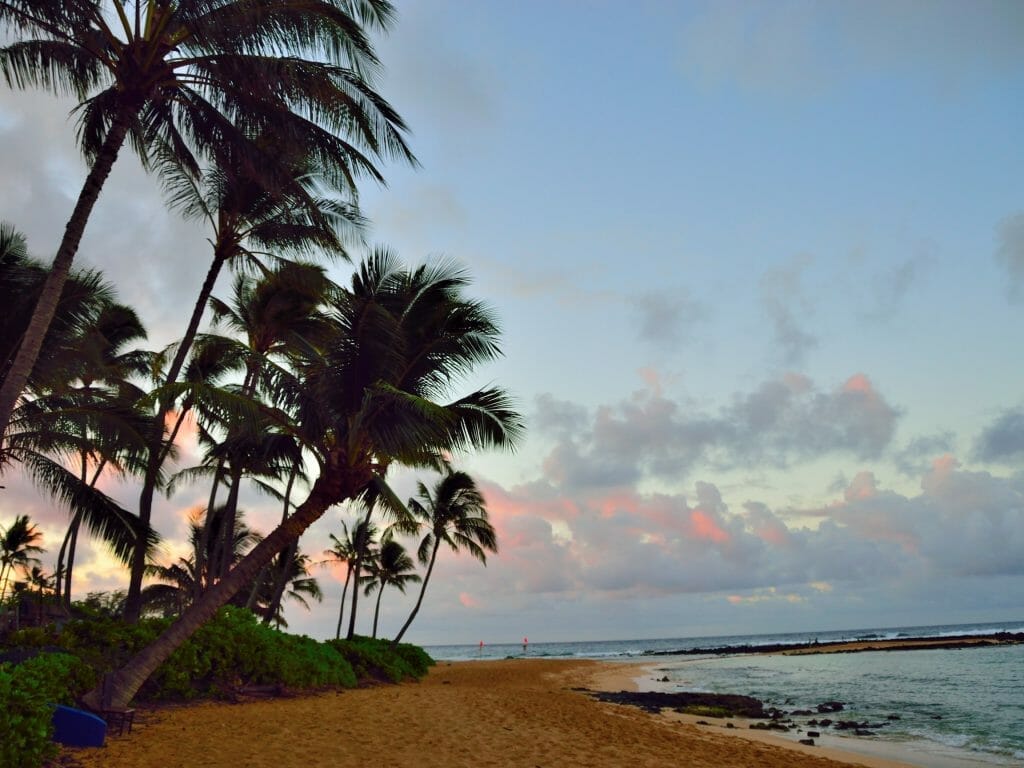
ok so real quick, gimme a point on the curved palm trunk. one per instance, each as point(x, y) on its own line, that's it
point(158, 448)
point(376, 610)
point(126, 682)
point(70, 565)
point(356, 569)
point(133, 601)
point(225, 550)
point(419, 600)
point(28, 351)
point(341, 609)
point(281, 578)
point(204, 535)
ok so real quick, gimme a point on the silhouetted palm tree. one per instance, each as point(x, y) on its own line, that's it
point(199, 79)
point(372, 395)
point(390, 567)
point(19, 545)
point(345, 550)
point(454, 514)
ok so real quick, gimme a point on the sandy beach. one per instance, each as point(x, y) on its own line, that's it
point(503, 713)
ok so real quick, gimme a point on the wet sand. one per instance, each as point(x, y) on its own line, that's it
point(520, 712)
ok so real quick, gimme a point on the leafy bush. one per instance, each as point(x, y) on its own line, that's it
point(377, 660)
point(28, 692)
point(233, 649)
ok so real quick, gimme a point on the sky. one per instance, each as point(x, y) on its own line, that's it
point(760, 273)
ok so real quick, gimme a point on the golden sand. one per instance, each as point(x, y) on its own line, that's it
point(520, 712)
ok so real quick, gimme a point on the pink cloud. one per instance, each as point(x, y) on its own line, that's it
point(468, 600)
point(704, 526)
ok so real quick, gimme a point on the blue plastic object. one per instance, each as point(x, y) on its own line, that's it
point(78, 728)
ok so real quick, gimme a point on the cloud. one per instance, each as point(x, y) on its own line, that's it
point(1003, 440)
point(1010, 254)
point(799, 48)
point(666, 318)
point(625, 544)
point(787, 307)
point(914, 458)
point(649, 435)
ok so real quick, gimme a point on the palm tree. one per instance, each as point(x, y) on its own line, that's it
point(80, 406)
point(247, 217)
point(454, 514)
point(391, 566)
point(98, 368)
point(175, 588)
point(346, 550)
point(200, 79)
point(299, 585)
point(373, 394)
point(19, 545)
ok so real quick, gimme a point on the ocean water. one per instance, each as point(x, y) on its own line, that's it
point(955, 707)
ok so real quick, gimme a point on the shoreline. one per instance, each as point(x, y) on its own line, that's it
point(854, 646)
point(646, 674)
point(479, 714)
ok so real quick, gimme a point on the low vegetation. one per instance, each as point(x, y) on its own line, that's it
point(230, 655)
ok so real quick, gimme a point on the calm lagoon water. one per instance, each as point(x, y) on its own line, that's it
point(954, 705)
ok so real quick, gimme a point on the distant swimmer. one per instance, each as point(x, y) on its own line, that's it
point(526, 642)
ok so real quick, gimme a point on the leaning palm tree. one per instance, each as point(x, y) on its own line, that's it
point(19, 545)
point(391, 567)
point(203, 79)
point(375, 393)
point(453, 514)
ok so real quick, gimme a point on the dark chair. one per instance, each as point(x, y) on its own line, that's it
point(119, 716)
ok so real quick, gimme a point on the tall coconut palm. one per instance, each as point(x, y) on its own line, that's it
point(345, 550)
point(19, 545)
point(99, 368)
point(374, 394)
point(252, 224)
point(453, 514)
point(270, 314)
point(79, 399)
point(203, 79)
point(390, 567)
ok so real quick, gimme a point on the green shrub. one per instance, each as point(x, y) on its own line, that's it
point(28, 692)
point(235, 649)
point(377, 660)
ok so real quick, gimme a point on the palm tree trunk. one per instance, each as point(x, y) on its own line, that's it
point(225, 549)
point(160, 449)
point(376, 610)
point(70, 565)
point(133, 601)
point(341, 609)
point(204, 536)
point(281, 578)
point(32, 341)
point(356, 569)
point(419, 600)
point(126, 681)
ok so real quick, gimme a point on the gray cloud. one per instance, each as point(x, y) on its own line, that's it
point(1003, 440)
point(1010, 254)
point(787, 308)
point(780, 422)
point(806, 49)
point(666, 318)
point(915, 457)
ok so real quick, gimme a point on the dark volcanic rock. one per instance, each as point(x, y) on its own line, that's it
point(831, 706)
point(808, 742)
point(654, 701)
